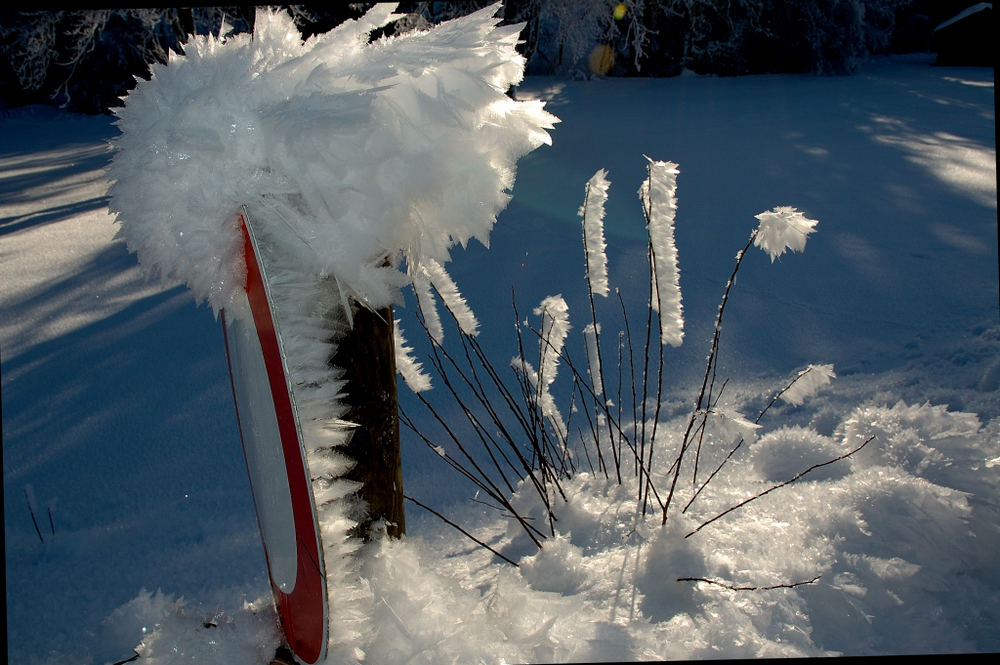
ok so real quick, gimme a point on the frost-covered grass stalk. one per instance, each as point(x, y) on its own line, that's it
point(520, 427)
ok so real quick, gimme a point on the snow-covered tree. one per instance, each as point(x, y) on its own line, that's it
point(85, 59)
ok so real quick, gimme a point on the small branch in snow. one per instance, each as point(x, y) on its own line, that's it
point(29, 499)
point(790, 585)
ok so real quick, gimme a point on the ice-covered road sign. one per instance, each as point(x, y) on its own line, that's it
point(276, 462)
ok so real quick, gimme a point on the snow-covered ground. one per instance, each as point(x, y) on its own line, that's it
point(119, 433)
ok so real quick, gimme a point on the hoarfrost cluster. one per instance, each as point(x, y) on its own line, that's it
point(362, 154)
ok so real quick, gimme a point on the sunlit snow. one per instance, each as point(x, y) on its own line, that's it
point(121, 444)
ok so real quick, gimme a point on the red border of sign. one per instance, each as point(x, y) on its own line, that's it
point(303, 612)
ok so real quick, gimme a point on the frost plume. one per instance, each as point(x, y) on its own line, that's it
point(659, 204)
point(783, 228)
point(453, 300)
point(809, 380)
point(592, 211)
point(427, 305)
point(407, 366)
point(555, 328)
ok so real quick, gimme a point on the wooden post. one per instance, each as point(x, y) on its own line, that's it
point(366, 353)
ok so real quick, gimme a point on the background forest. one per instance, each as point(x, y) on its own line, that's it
point(85, 60)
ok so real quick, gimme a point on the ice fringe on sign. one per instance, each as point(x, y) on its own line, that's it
point(354, 158)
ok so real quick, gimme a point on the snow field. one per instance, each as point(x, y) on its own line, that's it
point(118, 415)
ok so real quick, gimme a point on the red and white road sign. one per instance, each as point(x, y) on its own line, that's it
point(276, 462)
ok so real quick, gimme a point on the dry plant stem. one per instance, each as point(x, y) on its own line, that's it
point(463, 531)
point(526, 393)
point(480, 394)
point(594, 431)
point(703, 426)
point(790, 585)
point(454, 464)
point(571, 470)
point(741, 441)
point(617, 448)
point(530, 529)
point(659, 391)
point(714, 354)
point(477, 427)
point(538, 425)
point(480, 477)
point(560, 438)
point(645, 367)
point(507, 396)
point(780, 485)
point(654, 293)
point(480, 391)
point(631, 366)
point(31, 511)
point(613, 423)
point(700, 403)
point(541, 438)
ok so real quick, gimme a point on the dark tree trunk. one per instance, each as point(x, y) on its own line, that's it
point(367, 356)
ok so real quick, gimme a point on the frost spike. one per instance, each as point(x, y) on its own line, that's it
point(555, 328)
point(428, 307)
point(407, 366)
point(594, 245)
point(453, 300)
point(658, 194)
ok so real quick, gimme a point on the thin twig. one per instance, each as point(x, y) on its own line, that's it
point(31, 511)
point(741, 441)
point(790, 585)
point(699, 404)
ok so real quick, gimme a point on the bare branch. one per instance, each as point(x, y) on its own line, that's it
point(790, 585)
point(464, 532)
